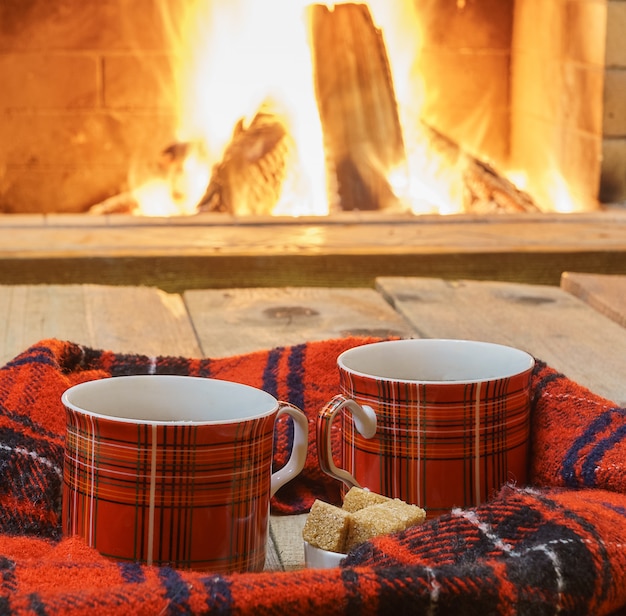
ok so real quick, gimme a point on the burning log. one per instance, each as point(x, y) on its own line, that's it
point(122, 203)
point(251, 175)
point(356, 100)
point(247, 181)
point(485, 191)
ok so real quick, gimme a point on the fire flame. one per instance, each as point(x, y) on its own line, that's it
point(235, 56)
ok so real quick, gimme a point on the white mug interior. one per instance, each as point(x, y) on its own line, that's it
point(169, 399)
point(435, 361)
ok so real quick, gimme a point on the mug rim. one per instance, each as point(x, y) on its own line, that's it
point(270, 400)
point(526, 358)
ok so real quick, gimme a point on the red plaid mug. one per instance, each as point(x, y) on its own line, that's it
point(437, 423)
point(174, 470)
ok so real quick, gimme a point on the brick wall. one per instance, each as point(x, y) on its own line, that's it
point(85, 92)
point(569, 94)
point(613, 176)
point(558, 74)
point(465, 64)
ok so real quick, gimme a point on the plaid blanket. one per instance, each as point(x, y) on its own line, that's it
point(556, 545)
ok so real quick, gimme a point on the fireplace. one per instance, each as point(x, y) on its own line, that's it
point(530, 86)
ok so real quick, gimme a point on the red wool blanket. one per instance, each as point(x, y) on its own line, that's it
point(556, 545)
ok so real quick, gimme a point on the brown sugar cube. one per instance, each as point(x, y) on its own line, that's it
point(326, 527)
point(381, 519)
point(359, 498)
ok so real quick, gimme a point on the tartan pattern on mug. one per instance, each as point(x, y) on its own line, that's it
point(170, 494)
point(428, 433)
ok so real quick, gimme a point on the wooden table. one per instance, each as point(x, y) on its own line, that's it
point(579, 329)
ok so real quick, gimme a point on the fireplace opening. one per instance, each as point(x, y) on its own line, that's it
point(299, 109)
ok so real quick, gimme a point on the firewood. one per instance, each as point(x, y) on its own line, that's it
point(485, 190)
point(122, 203)
point(357, 105)
point(250, 177)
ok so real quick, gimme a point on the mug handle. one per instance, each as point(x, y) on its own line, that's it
point(297, 458)
point(364, 419)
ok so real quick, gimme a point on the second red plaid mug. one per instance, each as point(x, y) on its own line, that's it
point(174, 470)
point(437, 423)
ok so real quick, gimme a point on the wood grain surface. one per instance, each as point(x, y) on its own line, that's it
point(233, 321)
point(545, 321)
point(605, 293)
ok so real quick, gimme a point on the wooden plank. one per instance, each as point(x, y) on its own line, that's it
point(547, 322)
point(605, 293)
point(343, 251)
point(287, 543)
point(122, 319)
point(345, 234)
point(234, 321)
point(176, 274)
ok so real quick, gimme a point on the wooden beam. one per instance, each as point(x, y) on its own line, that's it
point(96, 316)
point(291, 315)
point(206, 251)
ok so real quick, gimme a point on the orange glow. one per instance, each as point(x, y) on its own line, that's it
point(177, 193)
